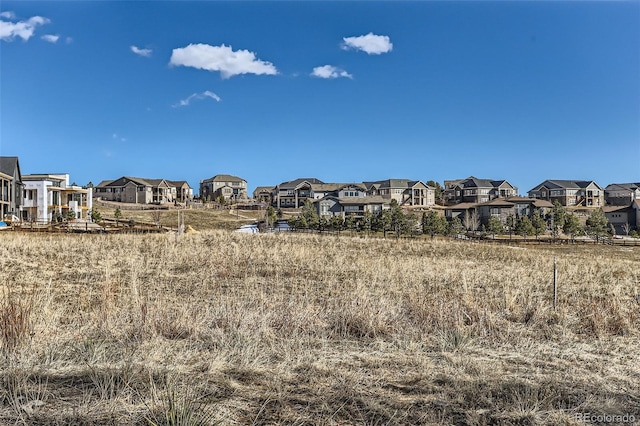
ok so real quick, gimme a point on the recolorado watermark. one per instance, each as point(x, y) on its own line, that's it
point(605, 418)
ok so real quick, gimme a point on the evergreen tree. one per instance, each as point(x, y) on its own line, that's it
point(558, 215)
point(455, 226)
point(310, 215)
point(539, 226)
point(511, 224)
point(433, 224)
point(439, 196)
point(572, 226)
point(597, 224)
point(524, 227)
point(494, 226)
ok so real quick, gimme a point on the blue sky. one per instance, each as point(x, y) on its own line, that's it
point(341, 91)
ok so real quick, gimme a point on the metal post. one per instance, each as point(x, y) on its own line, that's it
point(555, 283)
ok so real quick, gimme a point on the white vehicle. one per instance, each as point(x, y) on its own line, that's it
point(248, 229)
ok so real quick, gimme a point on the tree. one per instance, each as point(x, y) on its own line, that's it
point(596, 225)
point(524, 227)
point(511, 224)
point(626, 228)
point(310, 215)
point(337, 223)
point(433, 224)
point(494, 226)
point(397, 217)
point(572, 226)
point(95, 215)
point(271, 216)
point(367, 222)
point(71, 215)
point(455, 226)
point(350, 223)
point(539, 226)
point(382, 221)
point(471, 221)
point(117, 214)
point(558, 215)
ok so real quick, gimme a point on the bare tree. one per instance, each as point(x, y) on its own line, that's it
point(626, 228)
point(471, 221)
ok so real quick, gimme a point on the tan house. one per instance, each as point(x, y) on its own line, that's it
point(474, 190)
point(137, 190)
point(408, 193)
point(570, 193)
point(624, 216)
point(227, 186)
point(11, 187)
point(294, 193)
point(184, 192)
point(263, 194)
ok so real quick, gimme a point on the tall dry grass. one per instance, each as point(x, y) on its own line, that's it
point(218, 327)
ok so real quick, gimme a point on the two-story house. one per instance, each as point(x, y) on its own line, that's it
point(48, 197)
point(350, 200)
point(10, 187)
point(406, 192)
point(227, 186)
point(474, 190)
point(294, 193)
point(622, 194)
point(570, 193)
point(184, 192)
point(136, 190)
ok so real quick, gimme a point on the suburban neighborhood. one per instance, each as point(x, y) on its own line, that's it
point(471, 204)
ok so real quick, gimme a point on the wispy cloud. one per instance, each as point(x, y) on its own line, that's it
point(221, 58)
point(116, 136)
point(23, 29)
point(370, 43)
point(51, 38)
point(329, 71)
point(203, 95)
point(142, 52)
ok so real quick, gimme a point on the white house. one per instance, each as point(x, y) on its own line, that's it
point(48, 197)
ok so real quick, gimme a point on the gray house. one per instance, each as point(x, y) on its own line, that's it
point(227, 186)
point(474, 190)
point(11, 187)
point(350, 200)
point(407, 192)
point(570, 193)
point(622, 194)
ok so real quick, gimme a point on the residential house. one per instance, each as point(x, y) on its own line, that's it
point(622, 194)
point(10, 187)
point(263, 194)
point(184, 192)
point(501, 208)
point(570, 193)
point(407, 193)
point(350, 199)
point(474, 190)
point(50, 197)
point(136, 190)
point(294, 193)
point(623, 216)
point(227, 186)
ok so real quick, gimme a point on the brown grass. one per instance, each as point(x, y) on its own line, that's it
point(217, 327)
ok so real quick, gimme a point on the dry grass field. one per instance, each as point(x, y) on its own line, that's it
point(226, 328)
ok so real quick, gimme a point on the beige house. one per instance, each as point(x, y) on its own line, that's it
point(137, 190)
point(227, 186)
point(184, 192)
point(263, 194)
point(408, 193)
point(10, 187)
point(570, 193)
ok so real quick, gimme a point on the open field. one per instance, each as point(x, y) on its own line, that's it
point(218, 327)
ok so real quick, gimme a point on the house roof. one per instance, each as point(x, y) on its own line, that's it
point(263, 188)
point(292, 184)
point(9, 166)
point(474, 182)
point(462, 206)
point(224, 178)
point(537, 202)
point(564, 184)
point(138, 181)
point(626, 186)
point(375, 199)
point(178, 183)
point(393, 183)
point(497, 202)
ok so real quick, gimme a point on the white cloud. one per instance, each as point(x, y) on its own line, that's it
point(51, 38)
point(142, 52)
point(329, 71)
point(370, 43)
point(203, 95)
point(23, 29)
point(118, 137)
point(221, 58)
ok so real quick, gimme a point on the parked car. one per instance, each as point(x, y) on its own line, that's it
point(281, 227)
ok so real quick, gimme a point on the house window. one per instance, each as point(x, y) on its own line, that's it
point(495, 211)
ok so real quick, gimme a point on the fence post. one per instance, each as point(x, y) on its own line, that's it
point(555, 283)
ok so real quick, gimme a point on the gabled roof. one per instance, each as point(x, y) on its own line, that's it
point(178, 183)
point(10, 166)
point(474, 182)
point(462, 206)
point(263, 188)
point(292, 184)
point(126, 179)
point(564, 184)
point(537, 202)
point(393, 183)
point(224, 178)
point(498, 202)
point(624, 186)
point(376, 199)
